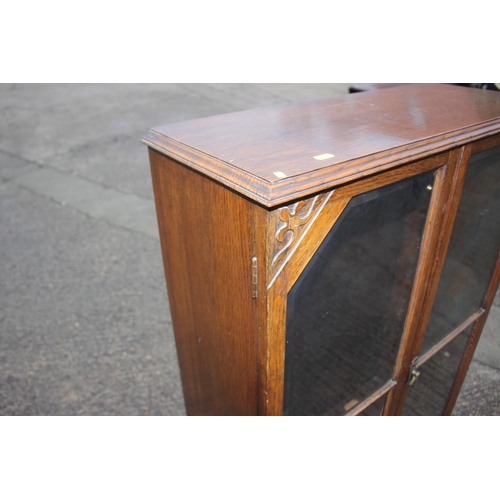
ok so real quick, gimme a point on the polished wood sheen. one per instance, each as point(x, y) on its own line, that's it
point(244, 206)
point(366, 132)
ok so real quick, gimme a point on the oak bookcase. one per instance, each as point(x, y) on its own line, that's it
point(331, 257)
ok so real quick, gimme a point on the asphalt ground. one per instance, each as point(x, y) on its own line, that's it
point(85, 327)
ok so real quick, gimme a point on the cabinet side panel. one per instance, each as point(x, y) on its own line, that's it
point(207, 234)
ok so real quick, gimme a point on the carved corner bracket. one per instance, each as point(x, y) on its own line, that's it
point(291, 224)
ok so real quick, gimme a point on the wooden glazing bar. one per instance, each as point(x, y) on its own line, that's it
point(488, 299)
point(457, 331)
point(368, 401)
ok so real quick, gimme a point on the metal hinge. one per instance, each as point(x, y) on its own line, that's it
point(254, 277)
point(414, 373)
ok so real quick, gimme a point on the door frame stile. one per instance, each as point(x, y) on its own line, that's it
point(441, 216)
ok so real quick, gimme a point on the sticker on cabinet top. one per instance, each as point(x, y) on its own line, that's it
point(324, 156)
point(280, 175)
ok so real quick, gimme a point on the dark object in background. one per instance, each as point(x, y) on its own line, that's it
point(484, 86)
point(363, 87)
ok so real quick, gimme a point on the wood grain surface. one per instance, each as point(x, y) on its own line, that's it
point(243, 205)
point(268, 154)
point(208, 243)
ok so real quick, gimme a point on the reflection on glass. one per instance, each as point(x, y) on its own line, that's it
point(346, 312)
point(429, 394)
point(473, 249)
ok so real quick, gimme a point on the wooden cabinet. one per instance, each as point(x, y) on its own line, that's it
point(332, 257)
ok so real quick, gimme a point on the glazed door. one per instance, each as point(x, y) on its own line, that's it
point(346, 312)
point(460, 301)
point(353, 287)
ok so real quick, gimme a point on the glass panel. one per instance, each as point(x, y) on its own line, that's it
point(346, 312)
point(473, 249)
point(429, 394)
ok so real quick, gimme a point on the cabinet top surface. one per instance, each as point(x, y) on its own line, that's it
point(279, 153)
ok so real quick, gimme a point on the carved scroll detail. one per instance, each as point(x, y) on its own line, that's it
point(292, 222)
